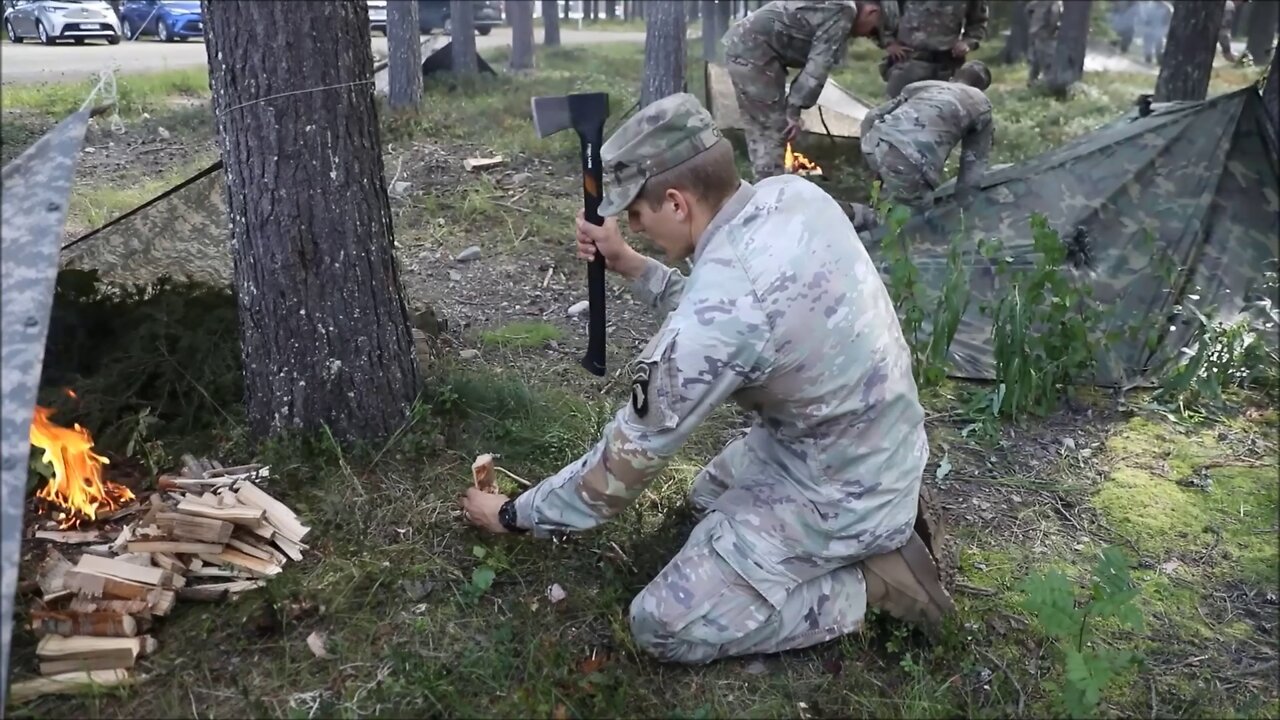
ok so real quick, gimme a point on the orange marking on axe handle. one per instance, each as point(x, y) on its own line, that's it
point(589, 183)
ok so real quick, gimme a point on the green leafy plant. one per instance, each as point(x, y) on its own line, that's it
point(483, 575)
point(1220, 355)
point(1045, 327)
point(1088, 666)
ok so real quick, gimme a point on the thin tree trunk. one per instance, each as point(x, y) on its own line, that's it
point(724, 18)
point(1261, 31)
point(565, 10)
point(640, 6)
point(592, 11)
point(1271, 97)
point(664, 50)
point(520, 15)
point(404, 51)
point(462, 15)
point(550, 24)
point(1073, 37)
point(1189, 51)
point(610, 10)
point(323, 324)
point(710, 34)
point(695, 10)
point(1015, 50)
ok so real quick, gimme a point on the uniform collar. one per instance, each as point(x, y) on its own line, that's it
point(727, 212)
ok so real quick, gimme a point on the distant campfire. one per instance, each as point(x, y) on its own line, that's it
point(77, 489)
point(797, 164)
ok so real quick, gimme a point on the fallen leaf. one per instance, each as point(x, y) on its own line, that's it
point(944, 468)
point(555, 593)
point(316, 641)
point(594, 663)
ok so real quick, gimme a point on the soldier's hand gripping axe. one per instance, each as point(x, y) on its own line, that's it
point(585, 113)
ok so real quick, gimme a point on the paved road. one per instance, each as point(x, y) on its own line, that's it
point(31, 62)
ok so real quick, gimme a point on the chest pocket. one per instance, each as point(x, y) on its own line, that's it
point(655, 383)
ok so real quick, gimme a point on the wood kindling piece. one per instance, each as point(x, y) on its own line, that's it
point(100, 624)
point(192, 527)
point(250, 516)
point(285, 521)
point(71, 537)
point(69, 682)
point(219, 591)
point(482, 163)
point(52, 576)
point(119, 569)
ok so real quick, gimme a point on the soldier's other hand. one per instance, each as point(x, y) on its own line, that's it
point(481, 509)
point(897, 52)
point(607, 241)
point(960, 49)
point(793, 129)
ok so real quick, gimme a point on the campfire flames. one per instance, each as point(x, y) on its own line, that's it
point(796, 163)
point(77, 486)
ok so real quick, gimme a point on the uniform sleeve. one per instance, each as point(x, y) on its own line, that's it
point(658, 288)
point(975, 23)
point(827, 48)
point(974, 151)
point(691, 369)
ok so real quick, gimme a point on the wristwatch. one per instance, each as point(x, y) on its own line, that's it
point(507, 516)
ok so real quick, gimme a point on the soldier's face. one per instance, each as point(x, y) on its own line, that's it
point(868, 22)
point(669, 226)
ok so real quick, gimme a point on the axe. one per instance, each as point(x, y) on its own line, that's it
point(585, 113)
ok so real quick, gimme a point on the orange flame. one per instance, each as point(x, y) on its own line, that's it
point(797, 163)
point(77, 485)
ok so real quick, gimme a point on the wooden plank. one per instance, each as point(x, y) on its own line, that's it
point(252, 470)
point(137, 609)
point(255, 566)
point(251, 516)
point(109, 662)
point(71, 537)
point(97, 586)
point(251, 548)
point(284, 519)
point(223, 572)
point(190, 527)
point(174, 546)
point(290, 548)
point(62, 647)
point(101, 624)
point(169, 561)
point(123, 570)
point(472, 164)
point(141, 559)
point(65, 683)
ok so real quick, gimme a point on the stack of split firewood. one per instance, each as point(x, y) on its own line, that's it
point(204, 536)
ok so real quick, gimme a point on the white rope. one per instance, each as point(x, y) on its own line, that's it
point(294, 92)
point(111, 96)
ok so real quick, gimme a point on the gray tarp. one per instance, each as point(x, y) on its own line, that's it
point(37, 186)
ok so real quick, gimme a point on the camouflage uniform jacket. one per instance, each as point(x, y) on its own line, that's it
point(928, 119)
point(1044, 17)
point(933, 26)
point(784, 312)
point(1154, 16)
point(808, 34)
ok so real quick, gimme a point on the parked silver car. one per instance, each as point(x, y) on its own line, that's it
point(52, 20)
point(377, 15)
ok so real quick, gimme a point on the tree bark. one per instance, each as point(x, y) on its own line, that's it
point(1189, 51)
point(1261, 31)
point(694, 10)
point(565, 10)
point(404, 51)
point(1271, 97)
point(710, 33)
point(520, 15)
point(1073, 37)
point(1015, 50)
point(323, 325)
point(664, 50)
point(610, 10)
point(550, 24)
point(464, 37)
point(724, 18)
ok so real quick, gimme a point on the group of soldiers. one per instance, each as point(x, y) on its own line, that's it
point(1150, 19)
point(936, 93)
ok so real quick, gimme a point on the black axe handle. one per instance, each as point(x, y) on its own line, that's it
point(592, 188)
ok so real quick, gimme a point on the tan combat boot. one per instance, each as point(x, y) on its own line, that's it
point(905, 584)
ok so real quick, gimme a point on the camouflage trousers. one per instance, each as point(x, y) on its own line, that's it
point(700, 609)
point(761, 92)
point(902, 181)
point(1040, 56)
point(937, 66)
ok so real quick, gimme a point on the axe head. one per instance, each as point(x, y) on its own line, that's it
point(553, 113)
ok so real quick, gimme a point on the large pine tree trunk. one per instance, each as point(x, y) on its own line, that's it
point(1189, 50)
point(323, 324)
point(1073, 37)
point(710, 34)
point(664, 50)
point(550, 24)
point(1271, 97)
point(520, 15)
point(462, 16)
point(1015, 50)
point(404, 50)
point(1261, 32)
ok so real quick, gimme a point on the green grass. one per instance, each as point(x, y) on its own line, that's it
point(137, 93)
point(95, 205)
point(389, 578)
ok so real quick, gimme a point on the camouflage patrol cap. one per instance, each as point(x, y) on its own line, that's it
point(658, 137)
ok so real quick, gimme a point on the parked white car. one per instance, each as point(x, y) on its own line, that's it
point(377, 15)
point(52, 20)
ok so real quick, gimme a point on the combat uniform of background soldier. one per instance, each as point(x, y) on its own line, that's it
point(931, 40)
point(808, 34)
point(907, 140)
point(1043, 19)
point(1124, 18)
point(1153, 26)
point(808, 518)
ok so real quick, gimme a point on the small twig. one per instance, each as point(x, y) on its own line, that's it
point(547, 279)
point(1022, 697)
point(974, 589)
point(513, 476)
point(509, 205)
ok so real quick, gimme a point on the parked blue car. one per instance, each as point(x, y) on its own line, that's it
point(168, 20)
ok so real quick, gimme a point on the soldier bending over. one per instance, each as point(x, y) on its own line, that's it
point(808, 519)
point(907, 141)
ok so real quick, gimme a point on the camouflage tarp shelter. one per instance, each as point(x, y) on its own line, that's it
point(1191, 187)
point(837, 111)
